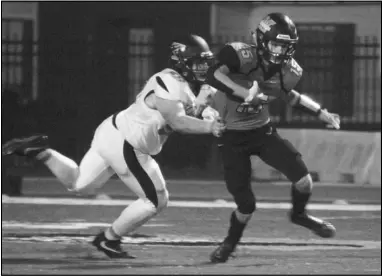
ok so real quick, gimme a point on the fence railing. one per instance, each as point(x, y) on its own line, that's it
point(361, 107)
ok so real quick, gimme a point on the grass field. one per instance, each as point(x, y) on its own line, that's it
point(52, 235)
point(47, 231)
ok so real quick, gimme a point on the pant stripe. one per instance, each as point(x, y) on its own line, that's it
point(139, 173)
point(113, 120)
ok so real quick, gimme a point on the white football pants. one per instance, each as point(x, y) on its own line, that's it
point(110, 153)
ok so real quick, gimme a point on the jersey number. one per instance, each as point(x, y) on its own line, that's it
point(249, 109)
point(295, 68)
point(246, 53)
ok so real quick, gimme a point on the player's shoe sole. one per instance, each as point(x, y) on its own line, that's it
point(29, 146)
point(112, 249)
point(320, 227)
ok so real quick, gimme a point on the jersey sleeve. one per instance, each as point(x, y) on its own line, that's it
point(168, 86)
point(205, 95)
point(228, 56)
point(292, 73)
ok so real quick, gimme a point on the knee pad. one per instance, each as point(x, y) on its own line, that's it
point(163, 197)
point(305, 184)
point(243, 218)
point(246, 203)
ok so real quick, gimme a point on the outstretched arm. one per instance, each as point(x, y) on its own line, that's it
point(309, 106)
point(174, 114)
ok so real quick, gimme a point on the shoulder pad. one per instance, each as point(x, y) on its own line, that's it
point(292, 73)
point(168, 85)
point(246, 54)
point(238, 45)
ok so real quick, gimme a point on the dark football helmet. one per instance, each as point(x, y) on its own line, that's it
point(191, 57)
point(276, 38)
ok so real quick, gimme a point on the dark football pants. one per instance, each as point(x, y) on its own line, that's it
point(237, 147)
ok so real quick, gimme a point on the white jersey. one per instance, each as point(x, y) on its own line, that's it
point(145, 128)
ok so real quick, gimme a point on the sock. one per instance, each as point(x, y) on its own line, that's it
point(243, 218)
point(134, 215)
point(235, 231)
point(111, 235)
point(44, 155)
point(64, 168)
point(299, 200)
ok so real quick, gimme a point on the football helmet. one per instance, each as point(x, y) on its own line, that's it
point(191, 57)
point(276, 38)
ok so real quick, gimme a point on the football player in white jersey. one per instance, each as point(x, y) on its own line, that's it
point(124, 142)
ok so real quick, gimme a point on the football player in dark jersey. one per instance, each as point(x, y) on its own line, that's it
point(247, 78)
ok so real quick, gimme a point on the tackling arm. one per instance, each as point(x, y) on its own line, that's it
point(174, 114)
point(210, 114)
point(171, 108)
point(204, 99)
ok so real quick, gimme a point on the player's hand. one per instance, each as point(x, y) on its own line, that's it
point(332, 119)
point(257, 100)
point(199, 109)
point(252, 93)
point(209, 114)
point(217, 127)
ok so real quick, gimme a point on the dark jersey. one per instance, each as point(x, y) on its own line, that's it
point(244, 66)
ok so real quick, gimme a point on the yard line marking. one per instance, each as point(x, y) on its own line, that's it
point(64, 225)
point(352, 217)
point(186, 240)
point(182, 203)
point(221, 182)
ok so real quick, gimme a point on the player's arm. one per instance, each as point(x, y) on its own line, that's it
point(290, 78)
point(210, 113)
point(174, 113)
point(302, 102)
point(204, 99)
point(305, 104)
point(228, 62)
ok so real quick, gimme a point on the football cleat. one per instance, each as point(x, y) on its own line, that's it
point(320, 227)
point(222, 253)
point(112, 248)
point(28, 146)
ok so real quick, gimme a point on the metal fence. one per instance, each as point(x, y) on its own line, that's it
point(363, 104)
point(19, 57)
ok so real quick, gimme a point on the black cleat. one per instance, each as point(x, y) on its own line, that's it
point(29, 146)
point(111, 248)
point(320, 227)
point(222, 253)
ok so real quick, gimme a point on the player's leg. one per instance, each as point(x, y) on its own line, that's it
point(283, 156)
point(237, 174)
point(25, 146)
point(142, 175)
point(90, 175)
point(145, 179)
